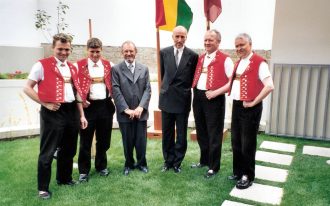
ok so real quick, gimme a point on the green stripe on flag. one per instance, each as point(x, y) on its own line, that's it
point(185, 15)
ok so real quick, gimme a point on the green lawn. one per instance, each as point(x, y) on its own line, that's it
point(308, 181)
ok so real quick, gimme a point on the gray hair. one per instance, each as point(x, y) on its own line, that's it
point(128, 42)
point(217, 34)
point(244, 36)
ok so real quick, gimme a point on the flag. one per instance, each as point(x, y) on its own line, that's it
point(172, 13)
point(212, 9)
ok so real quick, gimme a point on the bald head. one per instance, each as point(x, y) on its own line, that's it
point(179, 36)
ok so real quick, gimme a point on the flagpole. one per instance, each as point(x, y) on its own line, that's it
point(207, 25)
point(90, 28)
point(158, 59)
point(93, 149)
point(156, 130)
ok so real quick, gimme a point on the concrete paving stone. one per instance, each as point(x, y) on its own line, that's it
point(260, 193)
point(284, 147)
point(317, 151)
point(271, 173)
point(232, 203)
point(275, 158)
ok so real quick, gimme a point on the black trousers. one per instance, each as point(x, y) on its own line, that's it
point(209, 118)
point(244, 130)
point(174, 150)
point(57, 129)
point(99, 115)
point(134, 135)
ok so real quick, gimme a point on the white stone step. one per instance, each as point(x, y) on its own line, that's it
point(275, 158)
point(317, 151)
point(271, 173)
point(260, 193)
point(232, 203)
point(284, 147)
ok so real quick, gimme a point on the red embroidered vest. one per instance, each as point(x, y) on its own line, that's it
point(216, 75)
point(85, 80)
point(51, 88)
point(250, 84)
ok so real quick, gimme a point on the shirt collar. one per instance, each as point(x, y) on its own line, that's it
point(126, 62)
point(248, 57)
point(212, 55)
point(98, 63)
point(58, 62)
point(180, 50)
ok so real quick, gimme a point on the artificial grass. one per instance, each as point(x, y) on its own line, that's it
point(308, 181)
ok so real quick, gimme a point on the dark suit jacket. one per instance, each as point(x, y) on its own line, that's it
point(130, 91)
point(175, 92)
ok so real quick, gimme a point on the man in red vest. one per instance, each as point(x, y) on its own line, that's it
point(210, 83)
point(251, 82)
point(59, 114)
point(94, 75)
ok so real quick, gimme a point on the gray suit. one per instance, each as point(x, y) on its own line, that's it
point(129, 92)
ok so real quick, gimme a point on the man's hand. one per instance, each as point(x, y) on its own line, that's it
point(52, 106)
point(130, 113)
point(86, 104)
point(210, 94)
point(83, 123)
point(248, 104)
point(138, 112)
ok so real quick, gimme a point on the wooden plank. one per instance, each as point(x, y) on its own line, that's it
point(193, 135)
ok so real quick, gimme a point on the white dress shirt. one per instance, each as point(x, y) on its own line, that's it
point(133, 64)
point(97, 91)
point(179, 54)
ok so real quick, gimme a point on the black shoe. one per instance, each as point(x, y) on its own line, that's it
point(83, 178)
point(165, 168)
point(70, 183)
point(244, 183)
point(198, 165)
point(209, 174)
point(126, 171)
point(44, 195)
point(233, 177)
point(104, 172)
point(177, 169)
point(143, 169)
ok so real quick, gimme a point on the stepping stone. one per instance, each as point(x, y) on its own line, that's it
point(318, 151)
point(231, 203)
point(260, 193)
point(75, 165)
point(271, 173)
point(275, 158)
point(328, 162)
point(278, 146)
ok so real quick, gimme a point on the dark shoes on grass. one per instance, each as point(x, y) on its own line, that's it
point(44, 195)
point(244, 183)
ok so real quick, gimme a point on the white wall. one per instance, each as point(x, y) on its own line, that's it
point(302, 32)
point(115, 21)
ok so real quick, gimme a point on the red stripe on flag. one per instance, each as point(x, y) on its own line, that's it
point(212, 9)
point(160, 13)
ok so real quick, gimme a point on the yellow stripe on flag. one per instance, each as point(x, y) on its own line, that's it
point(171, 14)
